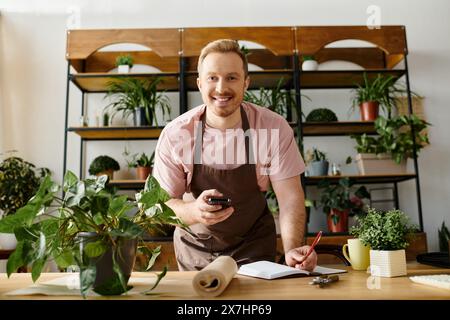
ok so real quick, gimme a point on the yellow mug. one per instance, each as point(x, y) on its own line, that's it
point(358, 254)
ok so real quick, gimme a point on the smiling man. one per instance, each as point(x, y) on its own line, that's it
point(228, 147)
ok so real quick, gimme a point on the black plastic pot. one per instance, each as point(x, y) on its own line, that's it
point(140, 117)
point(106, 280)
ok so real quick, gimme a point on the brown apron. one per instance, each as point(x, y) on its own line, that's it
point(248, 235)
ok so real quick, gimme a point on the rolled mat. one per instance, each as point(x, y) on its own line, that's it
point(213, 279)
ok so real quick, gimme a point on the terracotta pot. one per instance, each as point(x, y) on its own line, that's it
point(369, 110)
point(143, 172)
point(337, 220)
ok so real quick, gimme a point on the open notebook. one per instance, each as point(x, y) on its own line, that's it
point(272, 270)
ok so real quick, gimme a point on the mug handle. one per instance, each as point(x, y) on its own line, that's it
point(344, 252)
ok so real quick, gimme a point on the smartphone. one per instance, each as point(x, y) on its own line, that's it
point(222, 201)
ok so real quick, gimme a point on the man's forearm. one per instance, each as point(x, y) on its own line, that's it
point(292, 223)
point(182, 209)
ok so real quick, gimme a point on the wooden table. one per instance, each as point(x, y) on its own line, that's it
point(355, 285)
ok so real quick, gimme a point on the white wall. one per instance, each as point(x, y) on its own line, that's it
point(33, 75)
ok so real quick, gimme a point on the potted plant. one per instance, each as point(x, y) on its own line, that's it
point(124, 63)
point(382, 92)
point(139, 98)
point(142, 163)
point(278, 100)
point(19, 180)
point(388, 234)
point(104, 165)
point(309, 63)
point(317, 161)
point(90, 227)
point(388, 152)
point(338, 203)
point(321, 115)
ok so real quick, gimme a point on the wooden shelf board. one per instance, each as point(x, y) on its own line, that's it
point(337, 128)
point(363, 179)
point(329, 79)
point(117, 133)
point(98, 82)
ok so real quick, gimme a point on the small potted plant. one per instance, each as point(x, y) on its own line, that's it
point(309, 63)
point(124, 63)
point(381, 92)
point(142, 163)
point(387, 153)
point(104, 165)
point(139, 98)
point(338, 203)
point(19, 180)
point(317, 161)
point(388, 234)
point(321, 115)
point(91, 228)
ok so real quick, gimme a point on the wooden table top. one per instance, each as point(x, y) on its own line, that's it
point(354, 285)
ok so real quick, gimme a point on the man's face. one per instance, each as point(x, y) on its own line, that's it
point(222, 82)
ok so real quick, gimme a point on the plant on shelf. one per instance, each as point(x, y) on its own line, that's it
point(139, 98)
point(382, 92)
point(124, 63)
point(278, 100)
point(142, 163)
point(104, 165)
point(388, 234)
point(338, 202)
point(91, 228)
point(321, 115)
point(19, 180)
point(317, 162)
point(309, 63)
point(394, 141)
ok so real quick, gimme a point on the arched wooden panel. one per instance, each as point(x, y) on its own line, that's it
point(279, 40)
point(82, 43)
point(390, 39)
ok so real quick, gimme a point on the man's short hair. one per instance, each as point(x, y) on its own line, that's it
point(223, 46)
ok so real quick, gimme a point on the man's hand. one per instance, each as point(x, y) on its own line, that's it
point(296, 258)
point(202, 212)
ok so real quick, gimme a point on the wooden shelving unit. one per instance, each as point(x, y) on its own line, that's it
point(337, 128)
point(363, 179)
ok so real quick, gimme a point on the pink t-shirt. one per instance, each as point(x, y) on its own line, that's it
point(275, 151)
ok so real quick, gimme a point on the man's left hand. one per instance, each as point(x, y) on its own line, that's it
point(296, 258)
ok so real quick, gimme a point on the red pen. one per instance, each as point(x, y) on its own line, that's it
point(316, 240)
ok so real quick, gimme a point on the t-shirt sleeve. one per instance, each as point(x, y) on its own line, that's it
point(167, 169)
point(286, 160)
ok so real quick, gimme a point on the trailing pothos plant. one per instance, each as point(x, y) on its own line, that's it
point(47, 227)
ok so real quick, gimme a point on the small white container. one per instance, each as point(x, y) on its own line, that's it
point(388, 263)
point(310, 65)
point(8, 241)
point(123, 68)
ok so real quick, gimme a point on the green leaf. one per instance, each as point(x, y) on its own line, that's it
point(87, 278)
point(119, 205)
point(127, 229)
point(160, 276)
point(99, 204)
point(70, 181)
point(95, 249)
point(15, 259)
point(65, 259)
point(23, 217)
point(37, 268)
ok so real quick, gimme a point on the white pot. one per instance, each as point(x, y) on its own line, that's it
point(123, 68)
point(8, 241)
point(310, 65)
point(370, 163)
point(384, 263)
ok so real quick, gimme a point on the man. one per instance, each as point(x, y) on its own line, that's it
point(189, 158)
